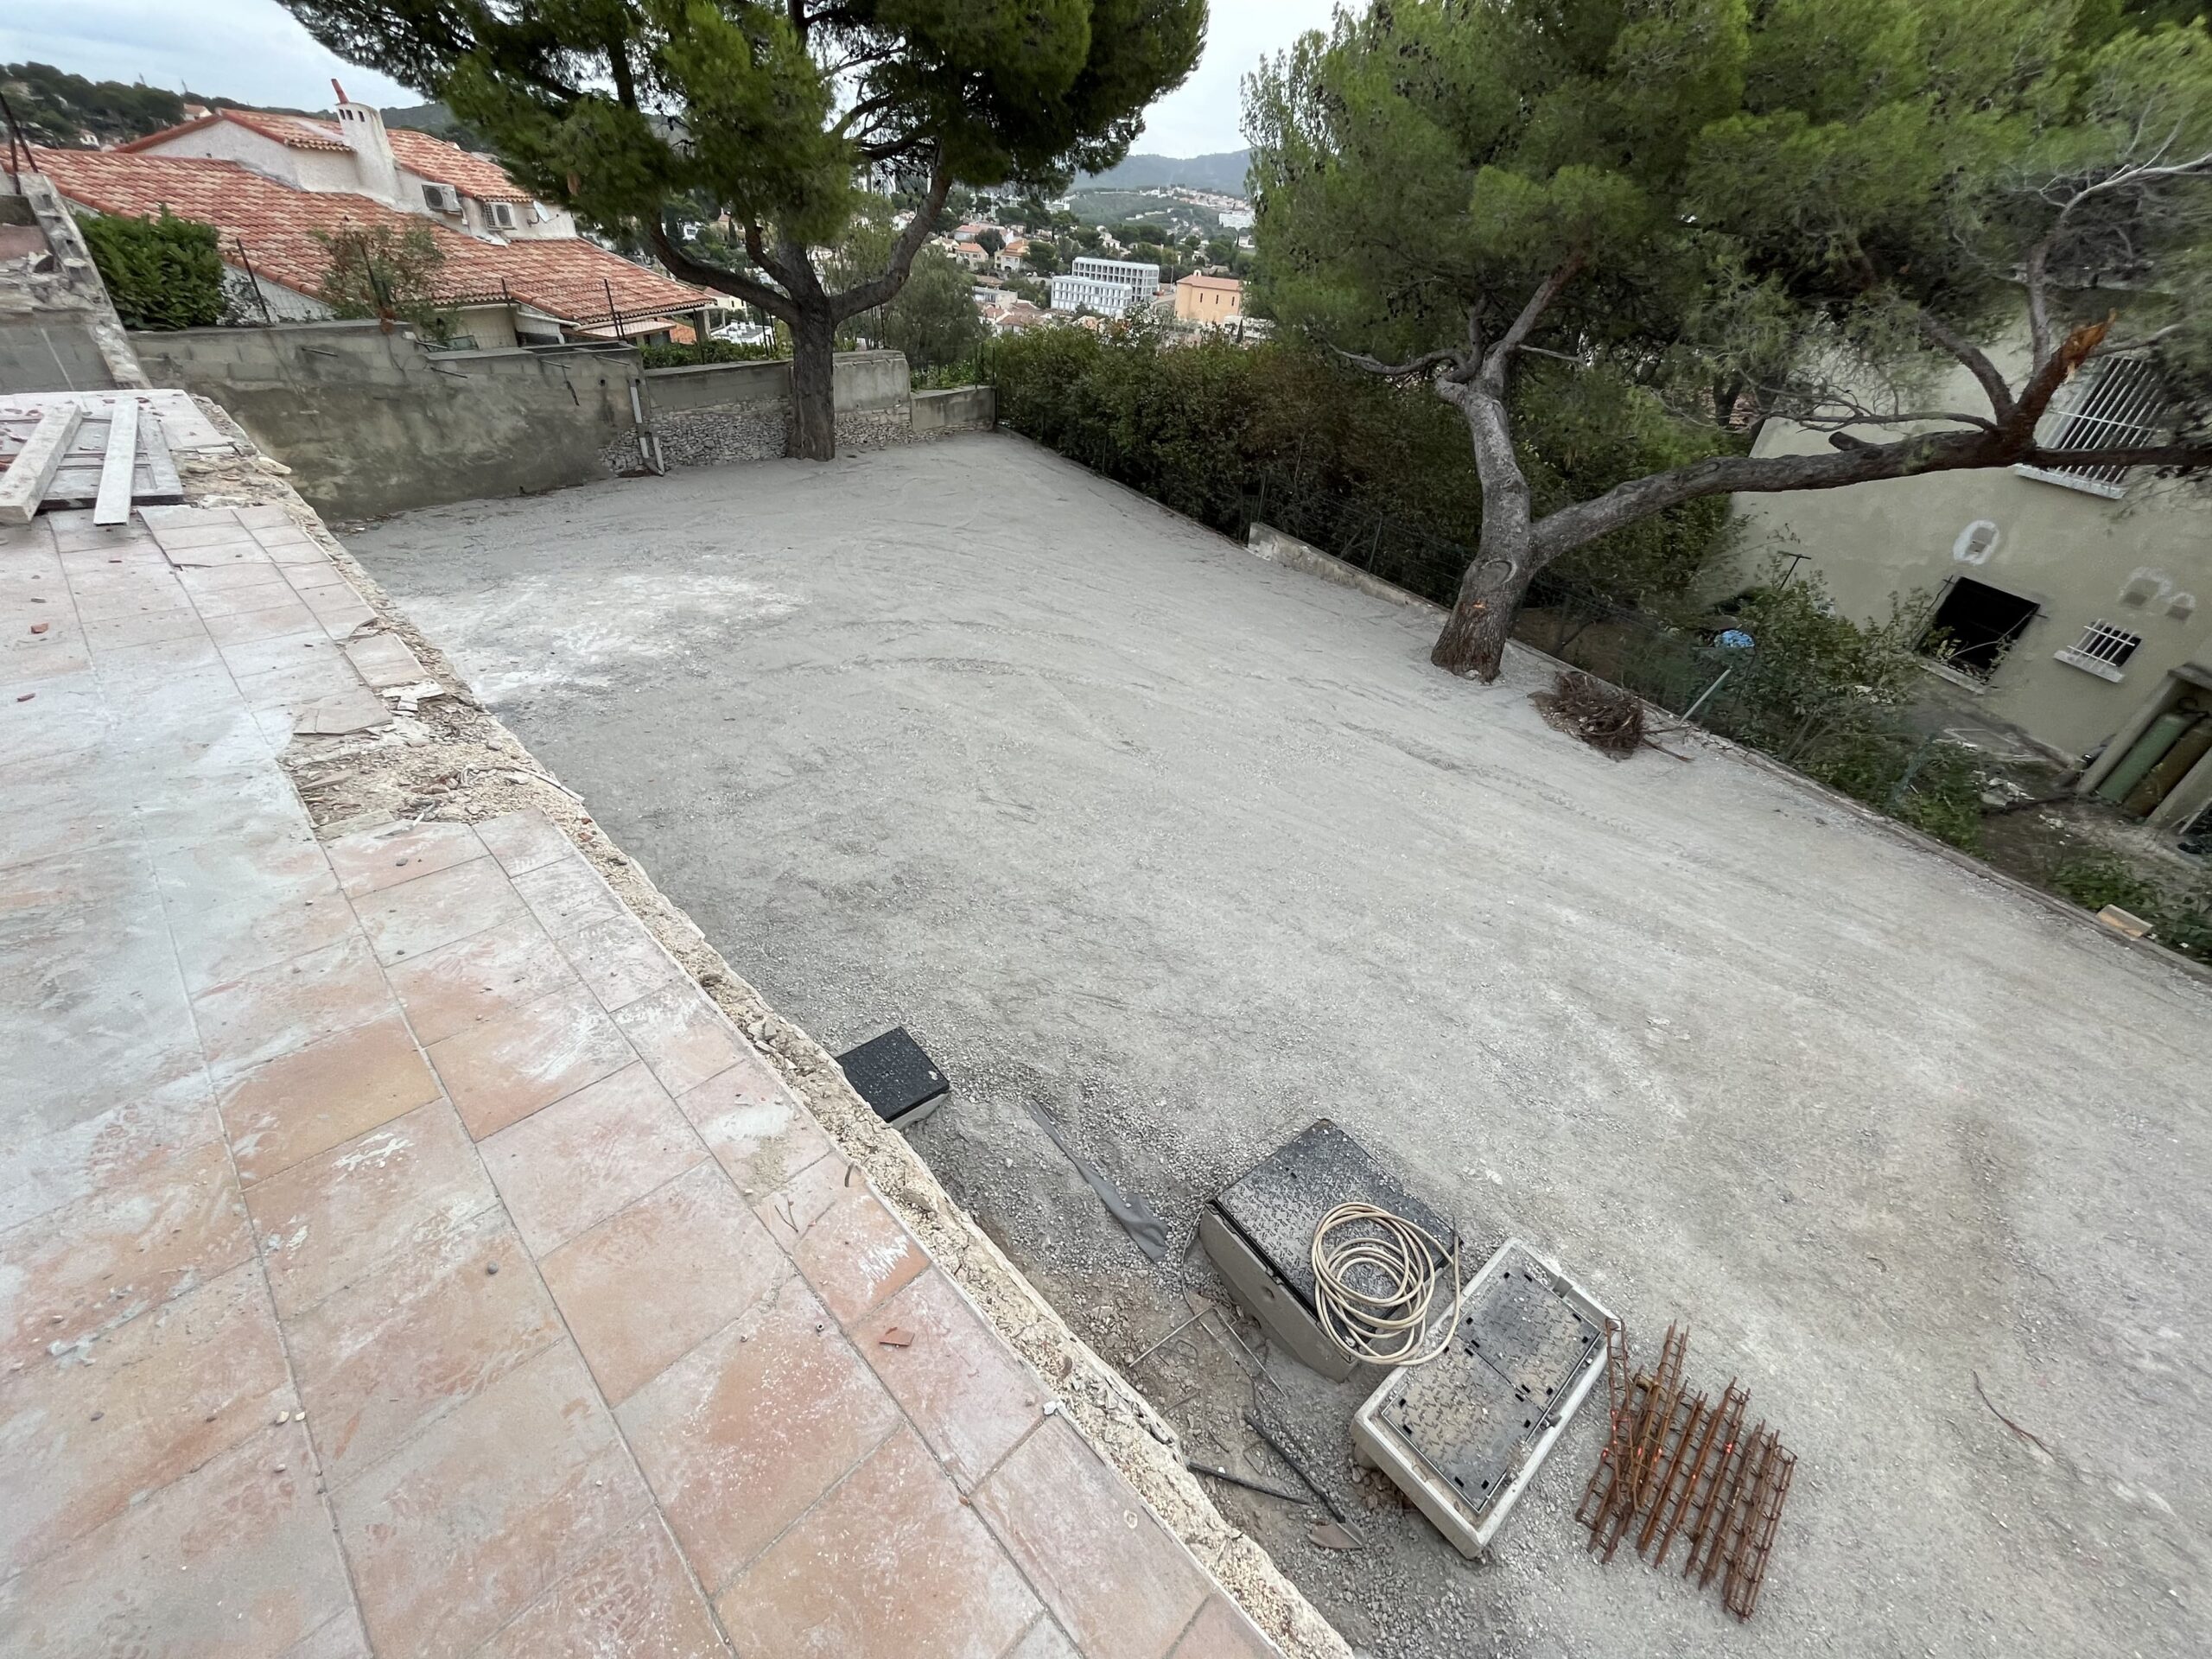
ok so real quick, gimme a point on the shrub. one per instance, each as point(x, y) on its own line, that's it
point(717, 351)
point(2095, 879)
point(161, 273)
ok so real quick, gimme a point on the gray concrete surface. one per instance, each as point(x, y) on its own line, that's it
point(1190, 850)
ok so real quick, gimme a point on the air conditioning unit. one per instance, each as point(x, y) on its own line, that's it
point(503, 215)
point(442, 198)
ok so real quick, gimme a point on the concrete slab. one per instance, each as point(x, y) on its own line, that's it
point(1191, 850)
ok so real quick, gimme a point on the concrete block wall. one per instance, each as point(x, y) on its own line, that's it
point(961, 409)
point(372, 423)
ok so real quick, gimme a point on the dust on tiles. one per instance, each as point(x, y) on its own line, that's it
point(396, 1240)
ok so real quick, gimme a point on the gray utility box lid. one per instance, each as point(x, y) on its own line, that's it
point(1463, 1435)
point(1259, 1232)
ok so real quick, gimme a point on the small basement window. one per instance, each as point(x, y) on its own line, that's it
point(2102, 650)
point(1976, 624)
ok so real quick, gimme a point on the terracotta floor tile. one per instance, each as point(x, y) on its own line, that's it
point(852, 1249)
point(234, 1560)
point(577, 1161)
point(286, 614)
point(524, 840)
point(634, 1598)
point(887, 1566)
point(620, 960)
point(417, 916)
point(256, 591)
point(217, 941)
point(1122, 1588)
point(414, 1338)
point(743, 1434)
point(308, 1101)
point(42, 1171)
point(329, 1221)
point(482, 978)
point(260, 1016)
point(384, 659)
point(161, 1395)
point(384, 858)
point(754, 1125)
point(962, 1387)
point(1222, 1631)
point(143, 628)
point(468, 1524)
point(648, 1283)
point(1046, 1640)
point(568, 895)
point(500, 1071)
point(86, 1270)
point(681, 1035)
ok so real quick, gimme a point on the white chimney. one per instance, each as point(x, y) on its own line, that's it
point(362, 127)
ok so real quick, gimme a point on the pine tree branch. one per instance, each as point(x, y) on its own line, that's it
point(681, 265)
point(881, 290)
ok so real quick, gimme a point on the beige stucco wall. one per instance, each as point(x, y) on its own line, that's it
point(303, 169)
point(2073, 553)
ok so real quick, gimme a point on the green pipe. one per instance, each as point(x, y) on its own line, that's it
point(2148, 750)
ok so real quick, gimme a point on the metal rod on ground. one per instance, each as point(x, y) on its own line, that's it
point(1297, 1467)
point(1287, 1497)
point(1170, 1337)
point(1690, 713)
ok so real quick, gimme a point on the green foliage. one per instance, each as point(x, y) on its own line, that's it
point(933, 320)
point(614, 108)
point(712, 350)
point(386, 273)
point(69, 112)
point(2095, 879)
point(1783, 201)
point(1197, 425)
point(2180, 915)
point(162, 273)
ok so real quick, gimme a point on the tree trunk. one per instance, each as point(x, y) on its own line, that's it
point(814, 404)
point(1472, 644)
point(1473, 641)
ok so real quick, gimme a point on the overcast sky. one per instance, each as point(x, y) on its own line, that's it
point(254, 51)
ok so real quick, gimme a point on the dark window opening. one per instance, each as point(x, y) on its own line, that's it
point(1976, 624)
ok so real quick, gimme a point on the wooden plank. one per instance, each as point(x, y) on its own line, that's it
point(112, 506)
point(161, 482)
point(24, 486)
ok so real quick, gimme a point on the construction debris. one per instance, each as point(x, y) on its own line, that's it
point(1680, 1465)
point(1606, 717)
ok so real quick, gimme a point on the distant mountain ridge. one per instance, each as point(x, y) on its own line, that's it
point(1224, 172)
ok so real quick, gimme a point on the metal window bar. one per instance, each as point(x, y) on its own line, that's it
point(2106, 644)
point(2122, 404)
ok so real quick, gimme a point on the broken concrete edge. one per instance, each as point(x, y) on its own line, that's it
point(391, 770)
point(1272, 545)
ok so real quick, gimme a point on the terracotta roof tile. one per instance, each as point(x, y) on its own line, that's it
point(470, 174)
point(567, 277)
point(294, 133)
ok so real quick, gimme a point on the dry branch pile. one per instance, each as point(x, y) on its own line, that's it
point(1604, 716)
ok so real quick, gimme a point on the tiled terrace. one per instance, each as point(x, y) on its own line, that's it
point(400, 1255)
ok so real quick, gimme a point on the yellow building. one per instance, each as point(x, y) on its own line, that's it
point(1209, 299)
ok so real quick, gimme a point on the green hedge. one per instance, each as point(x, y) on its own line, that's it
point(162, 273)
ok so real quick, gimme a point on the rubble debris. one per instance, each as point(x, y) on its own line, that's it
point(1681, 1465)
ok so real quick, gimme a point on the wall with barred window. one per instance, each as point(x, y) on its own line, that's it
point(2112, 571)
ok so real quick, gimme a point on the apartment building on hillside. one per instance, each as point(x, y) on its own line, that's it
point(1112, 288)
point(2063, 605)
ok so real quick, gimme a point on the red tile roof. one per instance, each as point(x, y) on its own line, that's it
point(567, 277)
point(293, 131)
point(418, 152)
point(470, 174)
